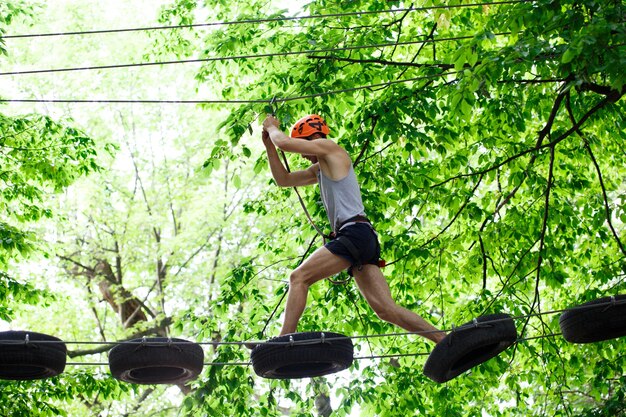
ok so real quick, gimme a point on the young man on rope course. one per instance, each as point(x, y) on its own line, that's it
point(354, 245)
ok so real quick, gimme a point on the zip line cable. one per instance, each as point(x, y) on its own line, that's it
point(144, 340)
point(258, 101)
point(253, 56)
point(261, 20)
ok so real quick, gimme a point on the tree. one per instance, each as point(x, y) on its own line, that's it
point(129, 251)
point(39, 156)
point(487, 140)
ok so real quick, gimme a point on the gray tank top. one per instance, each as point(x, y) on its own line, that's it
point(342, 198)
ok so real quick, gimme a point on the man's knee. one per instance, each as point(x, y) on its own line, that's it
point(299, 277)
point(386, 313)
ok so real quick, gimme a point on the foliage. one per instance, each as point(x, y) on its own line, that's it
point(39, 398)
point(488, 154)
point(39, 156)
point(488, 143)
point(11, 11)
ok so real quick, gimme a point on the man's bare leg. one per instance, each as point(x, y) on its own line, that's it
point(321, 264)
point(375, 289)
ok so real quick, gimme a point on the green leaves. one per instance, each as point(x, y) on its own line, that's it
point(15, 294)
point(38, 156)
point(44, 398)
point(454, 174)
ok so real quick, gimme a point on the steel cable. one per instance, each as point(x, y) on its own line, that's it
point(262, 20)
point(251, 56)
point(607, 304)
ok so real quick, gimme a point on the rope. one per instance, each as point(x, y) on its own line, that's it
point(275, 309)
point(306, 212)
point(260, 20)
point(310, 219)
point(607, 304)
point(396, 355)
point(253, 56)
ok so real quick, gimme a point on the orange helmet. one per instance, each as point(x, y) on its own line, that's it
point(308, 126)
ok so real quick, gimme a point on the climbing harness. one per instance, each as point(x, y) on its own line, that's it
point(350, 247)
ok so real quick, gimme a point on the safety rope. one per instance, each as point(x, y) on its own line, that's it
point(306, 211)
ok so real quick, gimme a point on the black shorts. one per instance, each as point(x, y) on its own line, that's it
point(364, 238)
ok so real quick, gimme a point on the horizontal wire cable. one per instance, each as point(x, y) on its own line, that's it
point(543, 336)
point(391, 355)
point(146, 341)
point(258, 101)
point(252, 56)
point(368, 357)
point(261, 20)
point(205, 364)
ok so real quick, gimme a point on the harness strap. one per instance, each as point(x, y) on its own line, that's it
point(356, 219)
point(354, 252)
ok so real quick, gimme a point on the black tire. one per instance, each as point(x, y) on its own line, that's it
point(311, 354)
point(470, 345)
point(28, 355)
point(156, 360)
point(595, 320)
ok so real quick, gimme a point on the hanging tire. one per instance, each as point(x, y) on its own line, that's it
point(470, 345)
point(302, 355)
point(157, 360)
point(595, 321)
point(28, 355)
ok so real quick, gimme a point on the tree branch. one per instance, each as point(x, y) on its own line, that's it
point(591, 112)
point(509, 277)
point(367, 142)
point(607, 208)
point(456, 216)
point(601, 89)
point(544, 227)
point(382, 62)
point(484, 258)
point(542, 134)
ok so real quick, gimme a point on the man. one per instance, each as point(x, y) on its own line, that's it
point(356, 246)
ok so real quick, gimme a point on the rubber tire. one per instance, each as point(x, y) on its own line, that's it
point(28, 361)
point(469, 346)
point(303, 360)
point(156, 361)
point(594, 324)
